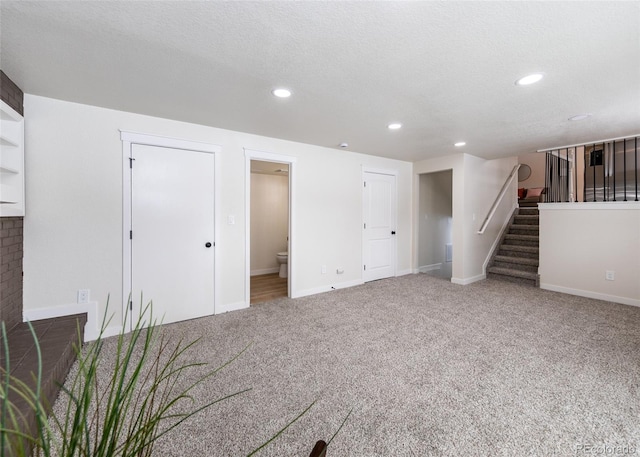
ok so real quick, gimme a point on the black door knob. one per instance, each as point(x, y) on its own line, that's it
point(208, 245)
point(393, 232)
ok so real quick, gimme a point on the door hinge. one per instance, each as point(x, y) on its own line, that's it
point(365, 184)
point(131, 159)
point(365, 225)
point(130, 234)
point(131, 305)
point(365, 268)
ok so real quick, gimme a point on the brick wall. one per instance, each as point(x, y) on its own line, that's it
point(11, 233)
point(11, 94)
point(11, 270)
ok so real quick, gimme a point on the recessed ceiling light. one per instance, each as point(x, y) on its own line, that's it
point(459, 143)
point(394, 126)
point(282, 93)
point(530, 79)
point(579, 117)
point(344, 145)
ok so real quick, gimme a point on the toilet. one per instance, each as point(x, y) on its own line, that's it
point(283, 258)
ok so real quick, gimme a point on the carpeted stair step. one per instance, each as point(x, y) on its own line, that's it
point(515, 266)
point(528, 211)
point(521, 229)
point(521, 240)
point(528, 252)
point(506, 274)
point(514, 273)
point(518, 260)
point(526, 219)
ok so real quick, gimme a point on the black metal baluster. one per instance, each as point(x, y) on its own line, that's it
point(624, 168)
point(614, 170)
point(604, 174)
point(566, 176)
point(636, 157)
point(546, 177)
point(584, 178)
point(593, 153)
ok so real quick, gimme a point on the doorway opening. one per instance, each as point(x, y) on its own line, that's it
point(435, 225)
point(269, 231)
point(270, 226)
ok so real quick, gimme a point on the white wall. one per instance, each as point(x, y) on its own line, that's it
point(269, 220)
point(476, 184)
point(579, 242)
point(434, 221)
point(73, 224)
point(536, 160)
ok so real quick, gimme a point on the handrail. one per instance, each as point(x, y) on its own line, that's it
point(494, 207)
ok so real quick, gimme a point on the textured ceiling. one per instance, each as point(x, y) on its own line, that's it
point(446, 70)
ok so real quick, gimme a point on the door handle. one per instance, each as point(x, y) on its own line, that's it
point(207, 245)
point(393, 232)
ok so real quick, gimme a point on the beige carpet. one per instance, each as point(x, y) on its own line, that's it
point(430, 369)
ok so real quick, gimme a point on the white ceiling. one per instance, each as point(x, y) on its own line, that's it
point(446, 70)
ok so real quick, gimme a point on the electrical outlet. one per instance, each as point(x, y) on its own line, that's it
point(610, 275)
point(324, 269)
point(83, 296)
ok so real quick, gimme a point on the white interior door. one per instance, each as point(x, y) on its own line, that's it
point(172, 224)
point(379, 246)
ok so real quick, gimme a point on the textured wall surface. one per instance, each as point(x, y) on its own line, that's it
point(11, 270)
point(11, 94)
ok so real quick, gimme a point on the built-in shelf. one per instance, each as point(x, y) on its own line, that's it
point(11, 162)
point(9, 170)
point(8, 142)
point(12, 115)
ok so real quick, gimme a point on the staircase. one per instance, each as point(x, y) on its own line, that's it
point(516, 258)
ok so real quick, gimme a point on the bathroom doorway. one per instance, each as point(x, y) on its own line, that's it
point(435, 225)
point(269, 237)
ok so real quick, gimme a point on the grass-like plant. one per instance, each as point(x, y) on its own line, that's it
point(123, 415)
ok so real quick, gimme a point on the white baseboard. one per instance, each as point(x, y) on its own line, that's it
point(590, 294)
point(264, 271)
point(321, 289)
point(231, 307)
point(91, 328)
point(466, 281)
point(432, 267)
point(404, 272)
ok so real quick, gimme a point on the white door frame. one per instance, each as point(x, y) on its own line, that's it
point(128, 140)
point(389, 172)
point(251, 154)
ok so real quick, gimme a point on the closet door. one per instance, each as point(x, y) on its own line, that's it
point(172, 230)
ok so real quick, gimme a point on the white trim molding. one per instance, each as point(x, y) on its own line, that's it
point(265, 271)
point(386, 172)
point(128, 139)
point(94, 320)
point(432, 267)
point(466, 281)
point(589, 294)
point(252, 154)
point(583, 206)
point(329, 288)
point(232, 307)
